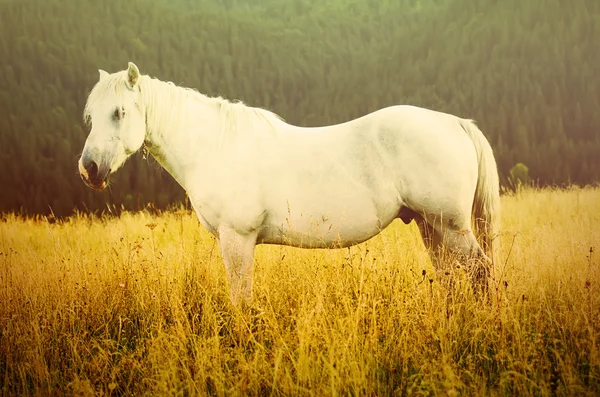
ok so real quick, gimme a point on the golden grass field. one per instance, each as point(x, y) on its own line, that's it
point(138, 305)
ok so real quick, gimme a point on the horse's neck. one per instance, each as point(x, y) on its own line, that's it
point(182, 127)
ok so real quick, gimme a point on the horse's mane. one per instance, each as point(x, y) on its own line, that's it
point(235, 116)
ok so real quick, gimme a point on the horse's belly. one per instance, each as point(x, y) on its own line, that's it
point(335, 228)
point(315, 238)
point(335, 200)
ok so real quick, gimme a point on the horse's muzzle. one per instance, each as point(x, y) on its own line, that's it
point(92, 176)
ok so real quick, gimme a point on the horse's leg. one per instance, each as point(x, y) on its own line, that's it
point(237, 250)
point(432, 241)
point(446, 237)
point(458, 239)
point(431, 238)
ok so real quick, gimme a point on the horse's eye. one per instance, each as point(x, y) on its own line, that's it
point(118, 114)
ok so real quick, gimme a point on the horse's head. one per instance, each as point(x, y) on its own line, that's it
point(117, 116)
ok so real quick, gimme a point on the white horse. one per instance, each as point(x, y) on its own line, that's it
point(254, 179)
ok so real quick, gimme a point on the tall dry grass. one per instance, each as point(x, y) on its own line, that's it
point(138, 305)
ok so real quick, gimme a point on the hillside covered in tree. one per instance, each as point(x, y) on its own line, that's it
point(526, 71)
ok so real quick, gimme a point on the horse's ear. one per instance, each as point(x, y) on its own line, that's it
point(133, 75)
point(103, 74)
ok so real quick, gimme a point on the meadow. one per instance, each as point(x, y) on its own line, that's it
point(138, 305)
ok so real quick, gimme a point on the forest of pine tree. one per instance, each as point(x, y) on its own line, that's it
point(527, 71)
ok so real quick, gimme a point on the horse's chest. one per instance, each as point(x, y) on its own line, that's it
point(209, 225)
point(236, 209)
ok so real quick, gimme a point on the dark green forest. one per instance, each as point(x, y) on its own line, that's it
point(527, 71)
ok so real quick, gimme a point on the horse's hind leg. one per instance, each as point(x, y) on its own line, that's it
point(431, 239)
point(463, 243)
point(452, 237)
point(459, 240)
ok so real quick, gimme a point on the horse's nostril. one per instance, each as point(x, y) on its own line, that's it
point(91, 168)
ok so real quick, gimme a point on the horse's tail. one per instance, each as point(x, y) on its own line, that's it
point(486, 204)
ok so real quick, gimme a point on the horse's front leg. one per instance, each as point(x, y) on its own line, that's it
point(237, 250)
